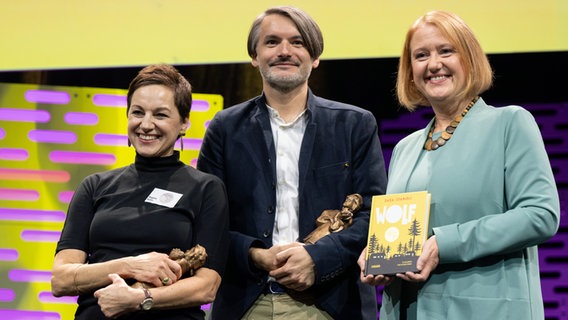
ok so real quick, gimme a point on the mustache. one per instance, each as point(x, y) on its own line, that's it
point(284, 59)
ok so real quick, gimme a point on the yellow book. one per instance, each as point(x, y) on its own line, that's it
point(398, 228)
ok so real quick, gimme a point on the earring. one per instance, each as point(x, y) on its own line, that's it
point(182, 134)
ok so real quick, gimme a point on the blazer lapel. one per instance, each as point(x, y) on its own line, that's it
point(407, 161)
point(306, 153)
point(265, 138)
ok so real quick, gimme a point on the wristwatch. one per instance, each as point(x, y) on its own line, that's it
point(148, 301)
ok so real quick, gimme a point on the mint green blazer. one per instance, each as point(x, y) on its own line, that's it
point(494, 199)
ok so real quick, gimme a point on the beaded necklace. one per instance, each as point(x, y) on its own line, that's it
point(431, 145)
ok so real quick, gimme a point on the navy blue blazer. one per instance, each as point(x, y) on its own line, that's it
point(340, 155)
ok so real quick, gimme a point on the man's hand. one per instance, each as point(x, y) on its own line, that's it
point(296, 269)
point(265, 259)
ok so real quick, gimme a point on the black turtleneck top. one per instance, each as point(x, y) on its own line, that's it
point(110, 217)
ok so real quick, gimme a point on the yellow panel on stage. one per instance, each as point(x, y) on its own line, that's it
point(106, 33)
point(51, 137)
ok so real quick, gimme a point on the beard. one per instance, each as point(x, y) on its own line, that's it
point(288, 82)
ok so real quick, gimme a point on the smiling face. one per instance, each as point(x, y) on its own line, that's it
point(154, 122)
point(282, 59)
point(437, 70)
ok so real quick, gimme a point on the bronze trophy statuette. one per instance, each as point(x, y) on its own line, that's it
point(335, 220)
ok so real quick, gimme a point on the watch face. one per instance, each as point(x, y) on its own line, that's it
point(147, 304)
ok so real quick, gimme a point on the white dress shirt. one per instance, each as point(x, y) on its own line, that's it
point(287, 141)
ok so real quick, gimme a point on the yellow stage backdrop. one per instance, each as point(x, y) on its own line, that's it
point(51, 137)
point(55, 34)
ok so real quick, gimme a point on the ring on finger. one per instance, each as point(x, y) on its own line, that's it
point(165, 281)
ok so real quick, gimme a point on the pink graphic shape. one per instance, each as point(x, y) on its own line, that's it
point(18, 194)
point(14, 154)
point(107, 139)
point(65, 196)
point(47, 96)
point(34, 175)
point(81, 118)
point(200, 105)
point(7, 295)
point(82, 157)
point(21, 115)
point(8, 255)
point(14, 214)
point(109, 100)
point(190, 144)
point(40, 236)
point(52, 136)
point(28, 315)
point(47, 297)
point(25, 275)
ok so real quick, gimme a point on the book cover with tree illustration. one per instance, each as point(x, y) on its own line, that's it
point(398, 228)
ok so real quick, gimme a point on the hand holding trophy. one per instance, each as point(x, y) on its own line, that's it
point(189, 261)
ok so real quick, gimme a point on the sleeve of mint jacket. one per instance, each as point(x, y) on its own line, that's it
point(530, 210)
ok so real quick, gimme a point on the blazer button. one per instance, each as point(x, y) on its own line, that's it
point(266, 234)
point(270, 209)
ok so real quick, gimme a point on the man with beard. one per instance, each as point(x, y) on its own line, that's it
point(286, 156)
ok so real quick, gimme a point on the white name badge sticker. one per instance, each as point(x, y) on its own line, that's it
point(163, 197)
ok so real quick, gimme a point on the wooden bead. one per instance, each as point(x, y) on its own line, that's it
point(431, 145)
